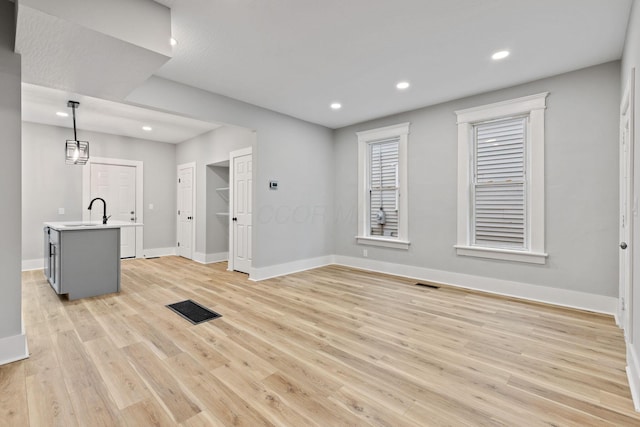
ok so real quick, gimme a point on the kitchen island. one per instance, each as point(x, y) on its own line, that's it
point(82, 259)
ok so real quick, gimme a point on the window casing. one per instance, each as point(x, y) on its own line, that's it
point(501, 180)
point(382, 172)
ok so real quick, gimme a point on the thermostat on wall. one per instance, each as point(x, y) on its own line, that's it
point(273, 185)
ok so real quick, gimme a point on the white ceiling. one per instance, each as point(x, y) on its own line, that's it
point(299, 56)
point(296, 57)
point(40, 105)
point(59, 52)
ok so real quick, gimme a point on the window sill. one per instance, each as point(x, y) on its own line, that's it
point(382, 242)
point(503, 254)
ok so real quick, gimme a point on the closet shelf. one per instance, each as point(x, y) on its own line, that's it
point(223, 192)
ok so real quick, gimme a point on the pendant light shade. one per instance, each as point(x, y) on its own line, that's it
point(76, 152)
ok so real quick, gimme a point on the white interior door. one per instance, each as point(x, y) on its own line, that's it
point(186, 188)
point(240, 193)
point(628, 210)
point(116, 184)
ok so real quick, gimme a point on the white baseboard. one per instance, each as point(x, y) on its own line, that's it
point(203, 258)
point(200, 257)
point(157, 252)
point(38, 264)
point(562, 297)
point(264, 273)
point(217, 257)
point(32, 264)
point(13, 348)
point(633, 374)
point(556, 296)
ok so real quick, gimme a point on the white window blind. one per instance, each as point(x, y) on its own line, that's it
point(383, 187)
point(499, 210)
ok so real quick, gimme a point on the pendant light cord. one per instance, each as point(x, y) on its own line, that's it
point(74, 105)
point(75, 135)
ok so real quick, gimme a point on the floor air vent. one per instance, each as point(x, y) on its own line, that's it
point(427, 285)
point(193, 312)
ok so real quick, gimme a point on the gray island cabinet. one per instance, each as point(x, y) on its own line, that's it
point(83, 259)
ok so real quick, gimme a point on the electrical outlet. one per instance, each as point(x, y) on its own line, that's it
point(365, 253)
point(60, 211)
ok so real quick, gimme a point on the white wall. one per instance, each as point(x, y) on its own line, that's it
point(630, 60)
point(12, 341)
point(49, 183)
point(293, 223)
point(581, 183)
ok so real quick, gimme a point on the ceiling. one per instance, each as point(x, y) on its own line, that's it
point(40, 105)
point(299, 56)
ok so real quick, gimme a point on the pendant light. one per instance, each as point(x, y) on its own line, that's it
point(76, 152)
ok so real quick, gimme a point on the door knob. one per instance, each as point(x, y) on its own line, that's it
point(131, 212)
point(623, 245)
point(234, 218)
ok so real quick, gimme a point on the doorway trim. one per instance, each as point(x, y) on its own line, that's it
point(86, 192)
point(626, 285)
point(194, 203)
point(233, 154)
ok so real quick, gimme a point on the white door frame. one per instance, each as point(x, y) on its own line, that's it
point(628, 210)
point(194, 180)
point(238, 153)
point(86, 193)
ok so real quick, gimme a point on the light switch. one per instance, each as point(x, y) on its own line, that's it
point(60, 211)
point(150, 206)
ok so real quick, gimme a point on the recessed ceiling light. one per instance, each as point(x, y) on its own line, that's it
point(62, 114)
point(147, 128)
point(173, 41)
point(402, 85)
point(336, 106)
point(500, 55)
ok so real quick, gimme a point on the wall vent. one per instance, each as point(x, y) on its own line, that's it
point(428, 285)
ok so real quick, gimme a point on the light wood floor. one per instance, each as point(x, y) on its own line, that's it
point(328, 347)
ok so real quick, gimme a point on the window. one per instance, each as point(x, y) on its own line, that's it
point(501, 180)
point(498, 187)
point(382, 189)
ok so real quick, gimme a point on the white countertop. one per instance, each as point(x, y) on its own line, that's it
point(89, 225)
